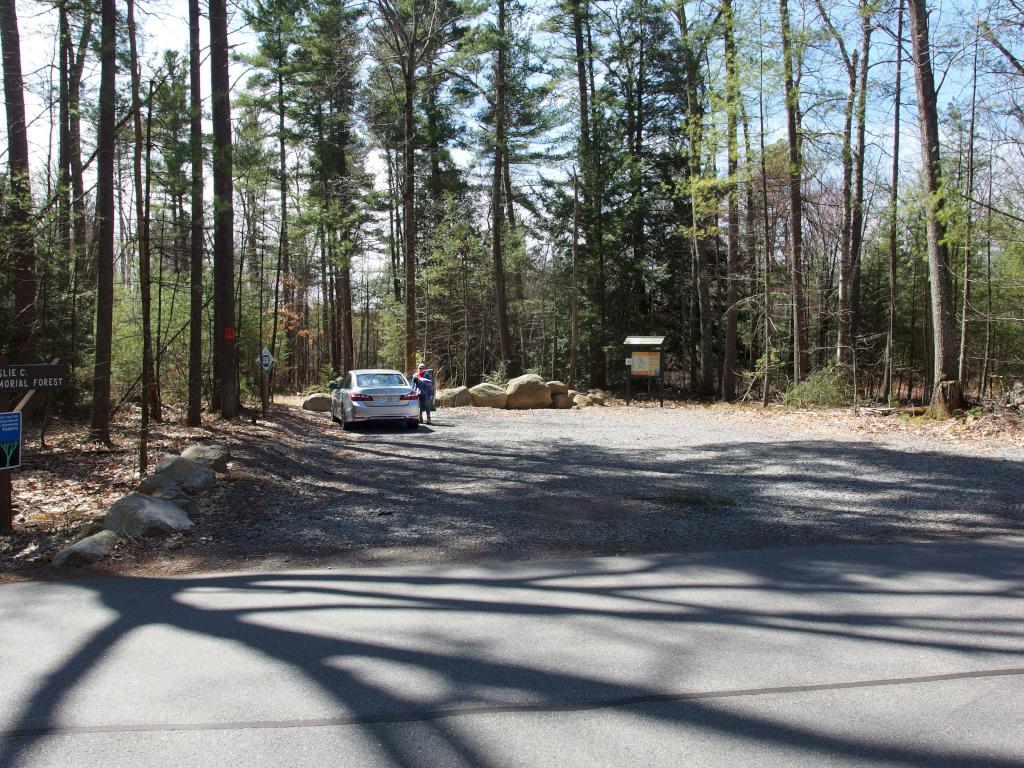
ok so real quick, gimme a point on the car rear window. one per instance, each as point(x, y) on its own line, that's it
point(381, 380)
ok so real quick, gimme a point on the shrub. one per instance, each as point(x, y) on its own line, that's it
point(498, 377)
point(828, 388)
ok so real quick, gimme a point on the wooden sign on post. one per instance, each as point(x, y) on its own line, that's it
point(15, 378)
point(18, 378)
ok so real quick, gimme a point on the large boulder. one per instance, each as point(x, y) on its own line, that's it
point(558, 388)
point(176, 496)
point(319, 402)
point(528, 391)
point(88, 550)
point(215, 456)
point(140, 515)
point(488, 396)
point(582, 401)
point(176, 471)
point(561, 400)
point(456, 397)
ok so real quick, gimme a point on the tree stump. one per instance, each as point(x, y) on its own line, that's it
point(946, 400)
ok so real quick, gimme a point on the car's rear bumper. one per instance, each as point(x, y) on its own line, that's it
point(407, 410)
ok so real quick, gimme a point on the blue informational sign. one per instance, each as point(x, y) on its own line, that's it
point(10, 440)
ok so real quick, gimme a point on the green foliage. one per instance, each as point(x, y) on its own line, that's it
point(829, 387)
point(498, 377)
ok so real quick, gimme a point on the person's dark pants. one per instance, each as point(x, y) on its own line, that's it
point(424, 406)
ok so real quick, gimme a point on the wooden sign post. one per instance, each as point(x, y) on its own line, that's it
point(33, 380)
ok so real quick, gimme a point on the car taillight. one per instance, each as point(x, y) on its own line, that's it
point(410, 396)
point(357, 398)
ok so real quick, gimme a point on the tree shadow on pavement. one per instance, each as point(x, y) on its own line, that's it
point(324, 628)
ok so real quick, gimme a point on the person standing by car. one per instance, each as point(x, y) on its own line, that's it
point(424, 383)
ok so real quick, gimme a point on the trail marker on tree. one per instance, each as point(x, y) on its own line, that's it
point(265, 361)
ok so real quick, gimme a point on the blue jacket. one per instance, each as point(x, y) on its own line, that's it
point(425, 385)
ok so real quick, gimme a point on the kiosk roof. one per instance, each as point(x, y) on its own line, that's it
point(644, 341)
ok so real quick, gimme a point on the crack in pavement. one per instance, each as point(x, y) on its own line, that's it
point(413, 716)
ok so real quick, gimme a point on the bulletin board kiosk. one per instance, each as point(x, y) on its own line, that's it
point(645, 362)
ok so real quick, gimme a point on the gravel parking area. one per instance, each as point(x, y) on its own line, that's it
point(482, 484)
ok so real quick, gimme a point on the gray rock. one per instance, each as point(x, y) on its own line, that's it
point(528, 391)
point(177, 471)
point(456, 397)
point(88, 550)
point(597, 398)
point(319, 402)
point(488, 396)
point(178, 497)
point(561, 400)
point(558, 388)
point(150, 484)
point(215, 456)
point(141, 515)
point(582, 401)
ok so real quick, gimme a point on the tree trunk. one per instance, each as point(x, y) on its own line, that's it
point(767, 231)
point(142, 233)
point(580, 8)
point(988, 280)
point(18, 225)
point(969, 228)
point(64, 166)
point(348, 347)
point(890, 337)
point(195, 335)
point(733, 226)
point(574, 322)
point(408, 208)
point(843, 340)
point(943, 336)
point(78, 224)
point(284, 257)
point(223, 212)
point(100, 423)
point(698, 216)
point(497, 207)
point(795, 196)
point(857, 206)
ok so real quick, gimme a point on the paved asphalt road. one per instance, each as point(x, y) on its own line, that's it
point(894, 655)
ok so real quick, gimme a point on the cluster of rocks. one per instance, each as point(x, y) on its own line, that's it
point(521, 393)
point(162, 503)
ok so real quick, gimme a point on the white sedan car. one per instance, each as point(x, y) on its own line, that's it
point(375, 395)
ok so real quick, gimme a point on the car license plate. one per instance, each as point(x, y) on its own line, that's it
point(387, 398)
